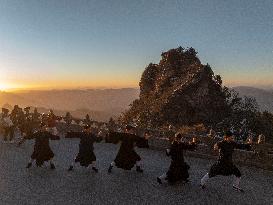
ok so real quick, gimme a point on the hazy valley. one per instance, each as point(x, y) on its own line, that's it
point(102, 104)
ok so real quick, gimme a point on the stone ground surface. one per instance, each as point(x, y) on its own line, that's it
point(19, 185)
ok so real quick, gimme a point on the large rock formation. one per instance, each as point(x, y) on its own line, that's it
point(178, 91)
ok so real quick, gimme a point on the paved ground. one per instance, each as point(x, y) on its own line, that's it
point(19, 185)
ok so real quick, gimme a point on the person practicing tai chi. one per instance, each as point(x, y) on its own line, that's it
point(224, 166)
point(178, 170)
point(86, 156)
point(127, 157)
point(42, 151)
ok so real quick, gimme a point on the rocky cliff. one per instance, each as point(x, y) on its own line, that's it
point(178, 90)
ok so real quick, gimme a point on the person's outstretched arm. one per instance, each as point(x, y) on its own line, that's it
point(53, 137)
point(73, 134)
point(114, 137)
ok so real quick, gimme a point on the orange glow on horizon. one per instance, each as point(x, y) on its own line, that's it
point(58, 83)
point(103, 82)
point(64, 85)
point(9, 87)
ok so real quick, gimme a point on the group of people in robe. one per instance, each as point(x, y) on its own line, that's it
point(18, 118)
point(127, 157)
point(25, 121)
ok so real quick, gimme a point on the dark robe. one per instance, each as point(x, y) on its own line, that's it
point(224, 166)
point(21, 122)
point(127, 156)
point(42, 151)
point(178, 169)
point(86, 148)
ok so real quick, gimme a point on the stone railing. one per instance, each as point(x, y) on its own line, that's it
point(260, 156)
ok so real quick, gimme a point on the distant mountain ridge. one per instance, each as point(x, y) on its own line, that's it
point(264, 97)
point(103, 104)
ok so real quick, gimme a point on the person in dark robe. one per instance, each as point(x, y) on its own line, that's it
point(86, 156)
point(42, 151)
point(178, 170)
point(68, 120)
point(14, 115)
point(87, 120)
point(18, 118)
point(36, 115)
point(127, 157)
point(52, 122)
point(224, 166)
point(111, 125)
point(21, 120)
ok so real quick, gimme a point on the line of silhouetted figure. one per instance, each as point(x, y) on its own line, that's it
point(42, 129)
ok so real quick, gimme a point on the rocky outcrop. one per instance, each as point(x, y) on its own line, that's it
point(179, 90)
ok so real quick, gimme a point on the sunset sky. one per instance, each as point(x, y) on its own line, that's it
point(85, 43)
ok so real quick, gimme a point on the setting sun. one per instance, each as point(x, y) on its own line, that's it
point(8, 87)
point(3, 87)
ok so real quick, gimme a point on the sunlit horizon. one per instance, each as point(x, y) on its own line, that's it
point(12, 88)
point(71, 45)
point(22, 88)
